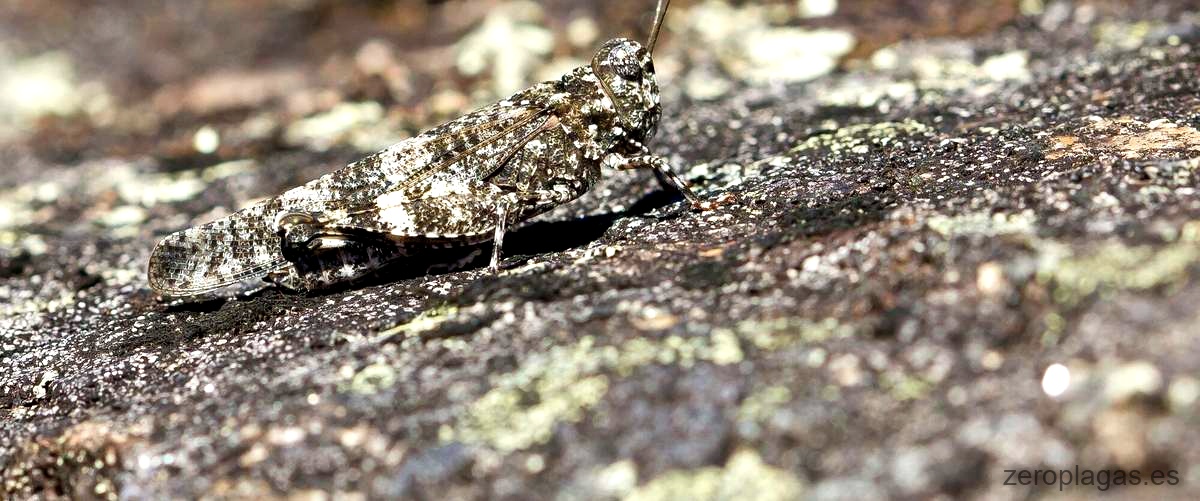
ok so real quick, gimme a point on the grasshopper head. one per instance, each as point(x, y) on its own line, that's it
point(626, 73)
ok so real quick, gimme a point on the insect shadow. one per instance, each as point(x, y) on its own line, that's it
point(557, 236)
point(537, 238)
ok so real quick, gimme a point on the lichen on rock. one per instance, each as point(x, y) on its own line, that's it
point(929, 211)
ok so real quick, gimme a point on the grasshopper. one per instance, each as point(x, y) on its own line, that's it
point(455, 186)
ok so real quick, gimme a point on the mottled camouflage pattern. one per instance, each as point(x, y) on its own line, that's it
point(458, 184)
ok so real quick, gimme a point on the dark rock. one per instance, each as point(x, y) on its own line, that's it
point(916, 237)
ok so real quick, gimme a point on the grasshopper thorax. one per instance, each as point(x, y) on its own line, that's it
point(626, 74)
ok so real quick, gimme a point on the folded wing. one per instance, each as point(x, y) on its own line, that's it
point(245, 246)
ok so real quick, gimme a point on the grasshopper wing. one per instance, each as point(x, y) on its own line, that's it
point(245, 245)
point(531, 166)
point(242, 246)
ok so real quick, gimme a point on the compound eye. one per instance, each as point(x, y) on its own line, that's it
point(628, 69)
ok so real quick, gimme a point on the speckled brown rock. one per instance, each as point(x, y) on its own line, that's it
point(917, 237)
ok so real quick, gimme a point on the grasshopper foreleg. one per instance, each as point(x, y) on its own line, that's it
point(515, 202)
point(502, 215)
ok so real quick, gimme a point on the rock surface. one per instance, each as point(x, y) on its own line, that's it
point(917, 237)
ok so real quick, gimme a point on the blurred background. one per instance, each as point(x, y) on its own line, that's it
point(190, 82)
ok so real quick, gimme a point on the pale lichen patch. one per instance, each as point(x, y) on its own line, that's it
point(559, 384)
point(427, 320)
point(359, 124)
point(744, 476)
point(1124, 36)
point(750, 47)
point(44, 84)
point(854, 138)
point(565, 381)
point(784, 332)
point(509, 43)
point(760, 406)
point(32, 243)
point(371, 379)
point(1116, 266)
point(906, 386)
point(982, 224)
point(931, 70)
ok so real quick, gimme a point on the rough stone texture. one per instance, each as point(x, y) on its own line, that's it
point(917, 237)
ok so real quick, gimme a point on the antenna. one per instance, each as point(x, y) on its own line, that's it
point(659, 14)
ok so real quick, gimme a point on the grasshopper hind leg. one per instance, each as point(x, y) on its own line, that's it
point(297, 231)
point(322, 258)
